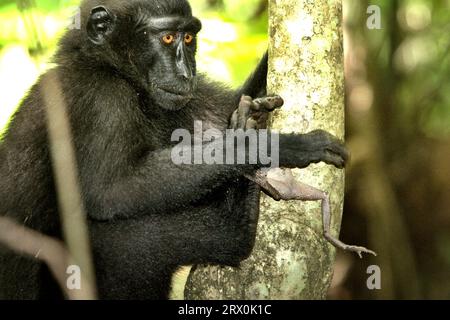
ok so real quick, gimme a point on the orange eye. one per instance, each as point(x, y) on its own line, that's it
point(168, 38)
point(188, 38)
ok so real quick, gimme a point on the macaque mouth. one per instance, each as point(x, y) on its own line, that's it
point(185, 91)
point(175, 92)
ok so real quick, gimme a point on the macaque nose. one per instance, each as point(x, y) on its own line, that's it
point(184, 68)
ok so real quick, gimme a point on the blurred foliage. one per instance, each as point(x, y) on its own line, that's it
point(411, 52)
point(233, 39)
point(398, 128)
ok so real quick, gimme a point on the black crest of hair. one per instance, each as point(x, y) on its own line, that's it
point(129, 79)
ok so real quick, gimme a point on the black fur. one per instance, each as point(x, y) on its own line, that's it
point(147, 216)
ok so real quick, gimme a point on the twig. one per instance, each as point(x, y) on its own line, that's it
point(65, 171)
point(49, 250)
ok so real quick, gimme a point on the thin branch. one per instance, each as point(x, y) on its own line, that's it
point(49, 250)
point(73, 217)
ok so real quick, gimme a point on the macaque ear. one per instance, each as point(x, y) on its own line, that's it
point(101, 23)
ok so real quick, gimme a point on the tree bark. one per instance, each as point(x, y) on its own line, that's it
point(291, 259)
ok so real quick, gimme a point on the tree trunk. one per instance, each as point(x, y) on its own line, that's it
point(291, 259)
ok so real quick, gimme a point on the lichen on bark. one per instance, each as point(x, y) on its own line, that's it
point(291, 259)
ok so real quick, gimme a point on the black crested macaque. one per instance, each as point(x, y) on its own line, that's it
point(129, 79)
